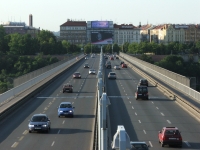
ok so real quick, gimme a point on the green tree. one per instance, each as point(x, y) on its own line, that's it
point(3, 43)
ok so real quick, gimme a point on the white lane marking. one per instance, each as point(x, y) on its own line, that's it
point(130, 102)
point(132, 107)
point(15, 144)
point(152, 102)
point(168, 121)
point(57, 94)
point(58, 131)
point(157, 108)
point(21, 138)
point(139, 121)
point(72, 102)
point(150, 144)
point(186, 142)
point(144, 132)
point(162, 114)
point(63, 121)
point(126, 94)
point(45, 108)
point(128, 97)
point(124, 90)
point(53, 143)
point(135, 113)
point(25, 132)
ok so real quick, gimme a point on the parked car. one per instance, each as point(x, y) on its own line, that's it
point(136, 145)
point(92, 71)
point(112, 75)
point(143, 82)
point(39, 122)
point(77, 75)
point(141, 92)
point(116, 67)
point(124, 65)
point(86, 66)
point(170, 136)
point(66, 109)
point(67, 88)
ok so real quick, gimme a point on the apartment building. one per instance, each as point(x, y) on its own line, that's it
point(192, 33)
point(74, 31)
point(145, 32)
point(126, 33)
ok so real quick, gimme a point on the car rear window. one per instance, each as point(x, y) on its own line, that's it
point(65, 106)
point(39, 119)
point(171, 132)
point(142, 90)
point(112, 73)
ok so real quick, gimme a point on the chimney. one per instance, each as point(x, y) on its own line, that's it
point(30, 20)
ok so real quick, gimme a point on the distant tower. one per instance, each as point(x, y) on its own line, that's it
point(30, 20)
point(140, 24)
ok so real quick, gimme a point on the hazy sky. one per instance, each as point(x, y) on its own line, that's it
point(50, 14)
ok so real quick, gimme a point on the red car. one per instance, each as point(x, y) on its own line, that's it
point(111, 58)
point(170, 136)
point(124, 65)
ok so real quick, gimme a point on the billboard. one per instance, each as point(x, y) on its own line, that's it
point(99, 24)
point(101, 37)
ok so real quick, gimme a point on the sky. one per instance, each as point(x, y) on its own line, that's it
point(50, 14)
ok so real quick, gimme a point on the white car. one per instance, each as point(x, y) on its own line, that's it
point(139, 145)
point(116, 67)
point(92, 71)
point(86, 57)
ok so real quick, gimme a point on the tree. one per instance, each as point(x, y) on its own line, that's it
point(3, 43)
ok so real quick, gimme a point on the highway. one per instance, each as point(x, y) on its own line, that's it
point(143, 119)
point(66, 133)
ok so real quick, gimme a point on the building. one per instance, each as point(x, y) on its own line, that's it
point(74, 32)
point(145, 32)
point(100, 32)
point(192, 33)
point(126, 33)
point(21, 28)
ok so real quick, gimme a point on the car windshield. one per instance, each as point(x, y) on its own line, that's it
point(140, 146)
point(65, 106)
point(39, 119)
point(77, 73)
point(116, 66)
point(142, 90)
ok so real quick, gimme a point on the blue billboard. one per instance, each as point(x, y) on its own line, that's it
point(100, 24)
point(101, 37)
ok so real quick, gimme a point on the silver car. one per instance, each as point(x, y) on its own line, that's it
point(39, 122)
point(92, 71)
point(112, 75)
point(116, 67)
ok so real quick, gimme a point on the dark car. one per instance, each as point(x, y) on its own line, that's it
point(66, 109)
point(170, 136)
point(117, 57)
point(86, 66)
point(106, 57)
point(39, 122)
point(143, 82)
point(141, 93)
point(124, 65)
point(108, 65)
point(121, 62)
point(136, 145)
point(67, 88)
point(77, 75)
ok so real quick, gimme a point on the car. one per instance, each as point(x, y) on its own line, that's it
point(106, 57)
point(86, 66)
point(143, 82)
point(92, 56)
point(92, 71)
point(108, 64)
point(141, 92)
point(116, 67)
point(66, 109)
point(39, 122)
point(111, 58)
point(117, 57)
point(86, 57)
point(124, 65)
point(170, 136)
point(112, 75)
point(121, 62)
point(136, 145)
point(67, 88)
point(76, 75)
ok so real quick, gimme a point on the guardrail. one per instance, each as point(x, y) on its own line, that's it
point(17, 90)
point(177, 85)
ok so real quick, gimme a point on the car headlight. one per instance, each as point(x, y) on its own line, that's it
point(61, 111)
point(44, 125)
point(70, 111)
point(30, 125)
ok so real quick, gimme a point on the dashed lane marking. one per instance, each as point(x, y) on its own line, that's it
point(150, 144)
point(186, 142)
point(168, 121)
point(58, 131)
point(135, 113)
point(21, 138)
point(139, 121)
point(144, 132)
point(25, 132)
point(162, 114)
point(15, 145)
point(157, 108)
point(132, 107)
point(63, 121)
point(53, 143)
